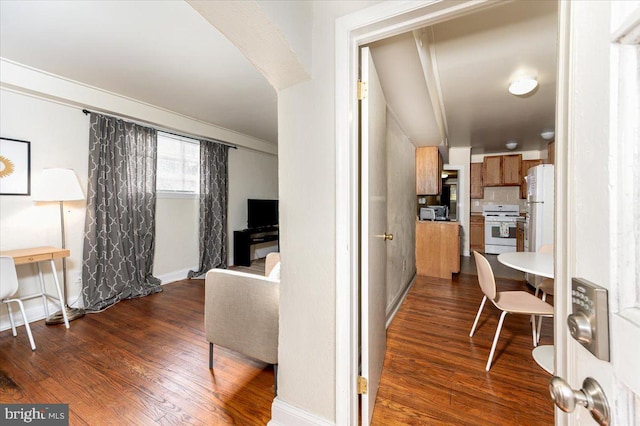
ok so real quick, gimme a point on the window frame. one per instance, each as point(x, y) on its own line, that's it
point(168, 194)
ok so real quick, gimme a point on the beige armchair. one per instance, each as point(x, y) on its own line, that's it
point(241, 312)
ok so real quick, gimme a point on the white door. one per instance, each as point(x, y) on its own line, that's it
point(373, 187)
point(598, 178)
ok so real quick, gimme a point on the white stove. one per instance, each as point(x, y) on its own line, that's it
point(500, 227)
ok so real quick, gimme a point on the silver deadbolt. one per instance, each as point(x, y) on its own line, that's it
point(591, 396)
point(580, 328)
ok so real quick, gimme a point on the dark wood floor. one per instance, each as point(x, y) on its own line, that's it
point(144, 362)
point(141, 362)
point(434, 372)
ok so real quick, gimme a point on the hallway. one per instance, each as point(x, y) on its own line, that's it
point(434, 372)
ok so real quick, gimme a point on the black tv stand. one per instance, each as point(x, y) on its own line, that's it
point(243, 240)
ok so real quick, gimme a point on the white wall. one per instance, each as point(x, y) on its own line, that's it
point(401, 212)
point(461, 157)
point(307, 159)
point(252, 174)
point(59, 136)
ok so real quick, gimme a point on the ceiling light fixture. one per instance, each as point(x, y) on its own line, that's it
point(547, 135)
point(523, 85)
point(511, 145)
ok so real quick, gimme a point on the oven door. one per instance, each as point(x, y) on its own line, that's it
point(499, 236)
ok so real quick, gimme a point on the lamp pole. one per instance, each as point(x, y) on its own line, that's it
point(72, 313)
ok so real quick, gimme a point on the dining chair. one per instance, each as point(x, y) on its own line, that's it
point(509, 302)
point(546, 285)
point(9, 287)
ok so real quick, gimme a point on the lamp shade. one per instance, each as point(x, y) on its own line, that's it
point(58, 185)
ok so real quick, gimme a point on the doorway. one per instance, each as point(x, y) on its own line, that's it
point(353, 31)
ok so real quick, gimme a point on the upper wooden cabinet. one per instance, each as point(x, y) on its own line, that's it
point(512, 169)
point(492, 170)
point(526, 165)
point(551, 153)
point(502, 170)
point(428, 171)
point(477, 188)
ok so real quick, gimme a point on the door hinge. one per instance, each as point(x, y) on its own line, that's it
point(362, 385)
point(362, 90)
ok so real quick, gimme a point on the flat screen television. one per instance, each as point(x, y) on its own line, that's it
point(262, 213)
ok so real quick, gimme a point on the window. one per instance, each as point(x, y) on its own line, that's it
point(178, 166)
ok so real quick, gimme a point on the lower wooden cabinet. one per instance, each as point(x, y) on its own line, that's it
point(437, 248)
point(476, 233)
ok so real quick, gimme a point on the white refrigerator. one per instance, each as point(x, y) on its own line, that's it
point(540, 195)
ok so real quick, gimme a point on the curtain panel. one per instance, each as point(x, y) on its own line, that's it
point(214, 194)
point(119, 241)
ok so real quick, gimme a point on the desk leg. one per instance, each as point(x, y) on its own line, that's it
point(43, 290)
point(63, 304)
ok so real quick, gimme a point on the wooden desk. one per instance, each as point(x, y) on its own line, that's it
point(539, 264)
point(37, 255)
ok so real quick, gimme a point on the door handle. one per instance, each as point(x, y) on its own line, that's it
point(388, 236)
point(591, 396)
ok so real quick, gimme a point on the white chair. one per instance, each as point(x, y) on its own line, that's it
point(546, 285)
point(242, 311)
point(9, 287)
point(514, 302)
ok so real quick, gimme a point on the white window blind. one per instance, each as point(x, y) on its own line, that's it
point(178, 170)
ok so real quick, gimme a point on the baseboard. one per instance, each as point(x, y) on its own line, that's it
point(284, 414)
point(395, 305)
point(175, 275)
point(34, 313)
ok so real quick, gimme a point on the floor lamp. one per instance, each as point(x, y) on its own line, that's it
point(61, 185)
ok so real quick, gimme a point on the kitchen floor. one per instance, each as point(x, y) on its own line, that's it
point(468, 266)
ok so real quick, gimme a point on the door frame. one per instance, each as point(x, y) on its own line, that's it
point(365, 26)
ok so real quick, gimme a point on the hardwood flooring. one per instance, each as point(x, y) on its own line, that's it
point(434, 372)
point(141, 362)
point(144, 362)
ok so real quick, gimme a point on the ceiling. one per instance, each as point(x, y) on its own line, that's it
point(160, 52)
point(472, 61)
point(166, 54)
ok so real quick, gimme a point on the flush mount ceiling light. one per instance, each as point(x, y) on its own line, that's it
point(523, 85)
point(511, 145)
point(547, 135)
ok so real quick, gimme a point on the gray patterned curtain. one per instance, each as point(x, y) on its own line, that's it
point(119, 240)
point(214, 189)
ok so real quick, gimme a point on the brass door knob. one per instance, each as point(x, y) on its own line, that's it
point(388, 236)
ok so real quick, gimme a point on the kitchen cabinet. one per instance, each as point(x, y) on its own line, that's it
point(511, 169)
point(551, 153)
point(492, 170)
point(428, 171)
point(502, 170)
point(437, 248)
point(526, 165)
point(477, 188)
point(520, 236)
point(476, 233)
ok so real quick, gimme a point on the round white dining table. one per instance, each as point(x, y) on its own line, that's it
point(539, 264)
point(528, 261)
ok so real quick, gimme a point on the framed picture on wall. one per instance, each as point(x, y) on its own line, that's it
point(15, 167)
